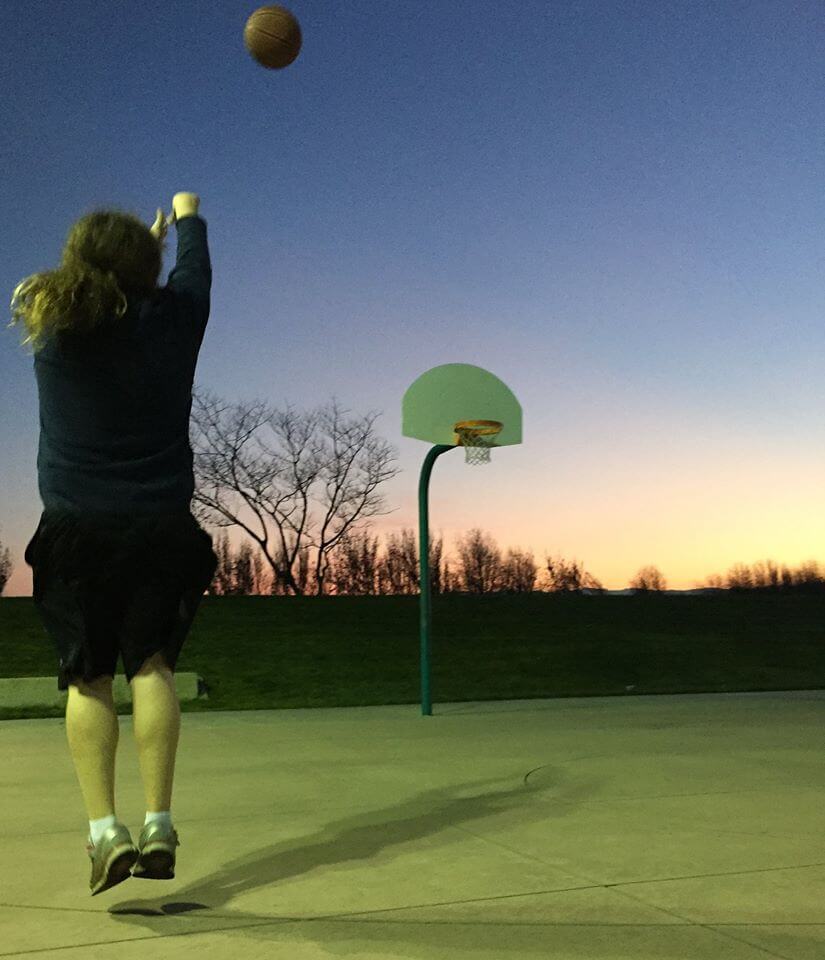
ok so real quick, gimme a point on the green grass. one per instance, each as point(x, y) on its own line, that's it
point(268, 653)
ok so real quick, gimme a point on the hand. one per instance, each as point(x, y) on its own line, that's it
point(185, 204)
point(161, 225)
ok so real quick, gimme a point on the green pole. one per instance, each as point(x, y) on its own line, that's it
point(424, 572)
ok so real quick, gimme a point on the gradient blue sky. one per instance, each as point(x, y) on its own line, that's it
point(617, 208)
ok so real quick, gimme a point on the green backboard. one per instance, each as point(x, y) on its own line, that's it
point(443, 396)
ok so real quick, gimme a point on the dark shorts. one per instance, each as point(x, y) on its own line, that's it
point(107, 586)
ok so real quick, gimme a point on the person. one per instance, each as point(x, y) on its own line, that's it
point(119, 563)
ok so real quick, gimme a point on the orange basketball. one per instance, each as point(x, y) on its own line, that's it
point(273, 36)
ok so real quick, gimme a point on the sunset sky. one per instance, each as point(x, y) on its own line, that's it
point(616, 207)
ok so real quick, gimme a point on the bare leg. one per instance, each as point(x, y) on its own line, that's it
point(93, 733)
point(156, 720)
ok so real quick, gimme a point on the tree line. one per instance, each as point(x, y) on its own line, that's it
point(326, 458)
point(358, 566)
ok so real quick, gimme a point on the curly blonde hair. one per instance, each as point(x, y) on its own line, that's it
point(109, 257)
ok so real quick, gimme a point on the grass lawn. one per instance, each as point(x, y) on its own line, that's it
point(278, 652)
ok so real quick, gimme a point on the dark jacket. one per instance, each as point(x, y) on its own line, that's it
point(115, 406)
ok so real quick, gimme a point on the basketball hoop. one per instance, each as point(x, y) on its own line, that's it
point(477, 437)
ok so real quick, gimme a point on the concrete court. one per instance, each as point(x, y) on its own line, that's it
point(651, 828)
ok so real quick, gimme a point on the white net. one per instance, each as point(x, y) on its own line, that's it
point(476, 455)
point(476, 445)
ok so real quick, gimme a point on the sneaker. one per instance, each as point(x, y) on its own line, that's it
point(156, 846)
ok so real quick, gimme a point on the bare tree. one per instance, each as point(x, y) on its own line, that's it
point(480, 563)
point(223, 579)
point(739, 577)
point(5, 568)
point(247, 571)
point(649, 578)
point(519, 572)
point(766, 574)
point(349, 461)
point(436, 554)
point(787, 577)
point(399, 569)
point(349, 495)
point(569, 576)
point(262, 582)
point(354, 565)
point(399, 566)
point(809, 574)
point(450, 582)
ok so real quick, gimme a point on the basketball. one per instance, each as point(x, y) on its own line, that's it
point(273, 36)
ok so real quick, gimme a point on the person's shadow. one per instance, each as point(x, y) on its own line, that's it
point(361, 837)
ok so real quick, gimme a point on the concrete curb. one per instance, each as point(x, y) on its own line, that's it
point(43, 692)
